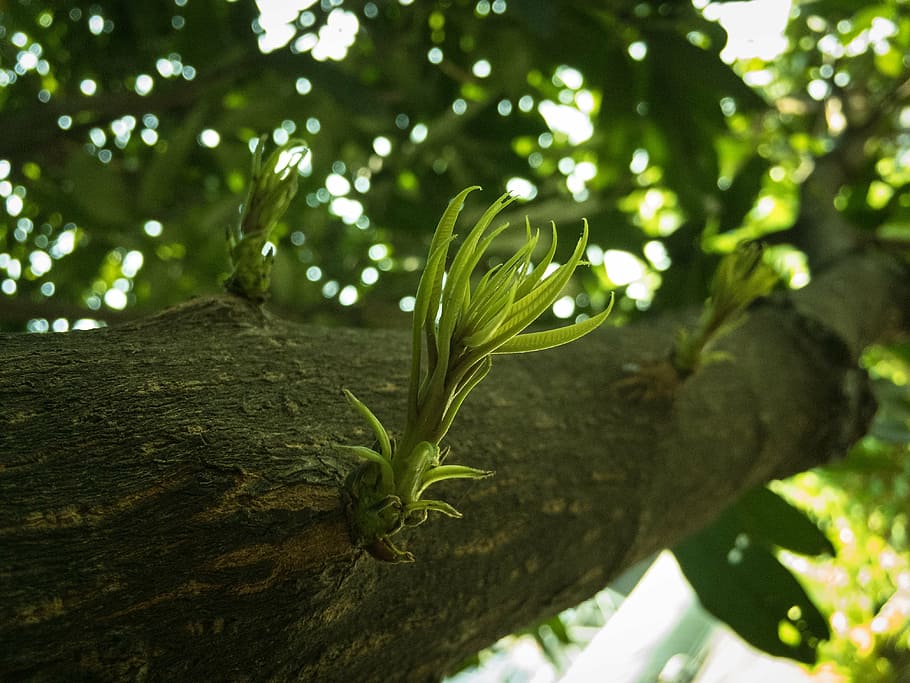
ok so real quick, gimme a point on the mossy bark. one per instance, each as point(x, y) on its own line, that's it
point(171, 492)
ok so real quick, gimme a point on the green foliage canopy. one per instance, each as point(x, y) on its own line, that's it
point(127, 131)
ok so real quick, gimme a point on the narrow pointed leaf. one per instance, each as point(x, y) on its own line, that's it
point(444, 472)
point(487, 326)
point(485, 289)
point(437, 505)
point(512, 267)
point(454, 292)
point(365, 453)
point(425, 306)
point(437, 352)
point(473, 377)
point(548, 288)
point(444, 233)
point(534, 277)
point(385, 445)
point(429, 290)
point(425, 303)
point(457, 289)
point(501, 278)
point(467, 256)
point(486, 281)
point(527, 310)
point(538, 341)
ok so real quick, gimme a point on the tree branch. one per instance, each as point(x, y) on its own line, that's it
point(171, 488)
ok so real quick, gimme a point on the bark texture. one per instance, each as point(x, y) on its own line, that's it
point(170, 491)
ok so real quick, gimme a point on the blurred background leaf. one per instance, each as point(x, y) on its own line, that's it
point(732, 567)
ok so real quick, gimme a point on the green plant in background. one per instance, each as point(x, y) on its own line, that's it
point(455, 332)
point(864, 503)
point(741, 277)
point(272, 187)
point(865, 590)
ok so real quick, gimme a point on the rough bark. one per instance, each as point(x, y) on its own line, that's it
point(171, 504)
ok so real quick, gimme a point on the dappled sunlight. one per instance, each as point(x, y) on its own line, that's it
point(754, 29)
point(521, 187)
point(279, 22)
point(570, 115)
point(567, 120)
point(655, 210)
point(790, 263)
point(862, 504)
point(350, 211)
point(865, 587)
point(622, 267)
point(43, 325)
point(565, 103)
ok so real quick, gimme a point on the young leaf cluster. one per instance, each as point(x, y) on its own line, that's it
point(458, 325)
point(273, 185)
point(741, 277)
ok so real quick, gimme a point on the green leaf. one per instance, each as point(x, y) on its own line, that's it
point(382, 435)
point(441, 239)
point(444, 472)
point(534, 277)
point(457, 287)
point(272, 187)
point(739, 198)
point(436, 505)
point(740, 581)
point(527, 310)
point(753, 596)
point(499, 279)
point(479, 251)
point(475, 374)
point(767, 517)
point(491, 318)
point(424, 319)
point(741, 277)
point(538, 341)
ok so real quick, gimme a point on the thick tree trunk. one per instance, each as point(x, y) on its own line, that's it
point(170, 489)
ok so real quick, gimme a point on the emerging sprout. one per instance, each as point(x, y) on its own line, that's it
point(272, 187)
point(741, 277)
point(456, 330)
